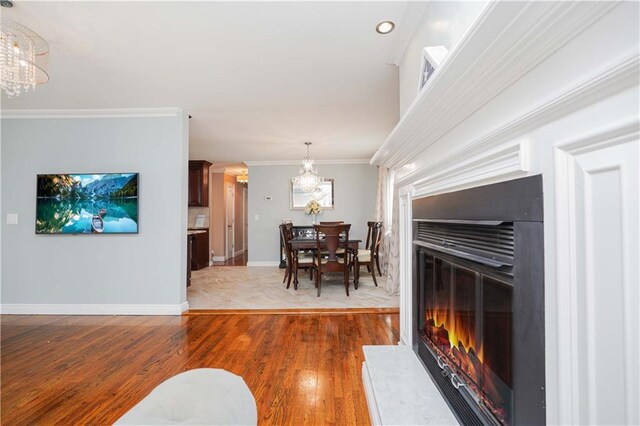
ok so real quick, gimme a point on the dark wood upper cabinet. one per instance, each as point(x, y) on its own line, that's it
point(199, 183)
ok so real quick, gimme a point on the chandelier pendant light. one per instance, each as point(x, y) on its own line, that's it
point(24, 58)
point(308, 179)
point(243, 178)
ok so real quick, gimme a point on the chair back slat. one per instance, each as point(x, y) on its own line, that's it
point(332, 234)
point(375, 229)
point(286, 236)
point(373, 239)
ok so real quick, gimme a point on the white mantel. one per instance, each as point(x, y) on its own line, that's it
point(547, 88)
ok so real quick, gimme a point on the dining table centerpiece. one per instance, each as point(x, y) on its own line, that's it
point(314, 208)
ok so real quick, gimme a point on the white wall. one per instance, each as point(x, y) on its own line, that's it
point(143, 273)
point(354, 194)
point(573, 118)
point(444, 24)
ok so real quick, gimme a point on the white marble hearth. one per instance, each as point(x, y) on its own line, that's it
point(400, 391)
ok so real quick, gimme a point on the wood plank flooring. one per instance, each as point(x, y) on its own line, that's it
point(302, 369)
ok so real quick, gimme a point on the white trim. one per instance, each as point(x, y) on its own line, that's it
point(464, 84)
point(618, 77)
point(90, 113)
point(218, 258)
point(245, 219)
point(405, 248)
point(411, 18)
point(572, 276)
point(297, 162)
point(91, 309)
point(504, 163)
point(263, 263)
point(229, 245)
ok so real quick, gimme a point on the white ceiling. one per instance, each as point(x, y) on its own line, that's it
point(259, 78)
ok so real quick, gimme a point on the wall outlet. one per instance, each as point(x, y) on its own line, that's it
point(268, 198)
point(256, 217)
point(12, 218)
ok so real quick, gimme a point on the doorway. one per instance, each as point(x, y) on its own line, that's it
point(230, 211)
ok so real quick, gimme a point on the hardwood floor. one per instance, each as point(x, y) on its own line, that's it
point(302, 369)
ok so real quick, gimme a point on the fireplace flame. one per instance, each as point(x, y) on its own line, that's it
point(456, 339)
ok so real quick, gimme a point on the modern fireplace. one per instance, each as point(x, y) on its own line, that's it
point(479, 300)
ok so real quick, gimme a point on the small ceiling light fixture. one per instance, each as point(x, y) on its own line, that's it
point(243, 178)
point(6, 3)
point(23, 58)
point(385, 27)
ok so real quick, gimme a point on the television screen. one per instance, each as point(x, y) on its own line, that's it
point(87, 204)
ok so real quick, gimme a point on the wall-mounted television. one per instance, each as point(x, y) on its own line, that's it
point(104, 203)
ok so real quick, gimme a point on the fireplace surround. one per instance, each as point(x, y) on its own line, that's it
point(478, 286)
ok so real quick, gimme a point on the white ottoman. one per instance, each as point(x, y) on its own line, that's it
point(203, 396)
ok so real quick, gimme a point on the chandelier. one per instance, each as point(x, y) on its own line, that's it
point(307, 179)
point(242, 178)
point(23, 58)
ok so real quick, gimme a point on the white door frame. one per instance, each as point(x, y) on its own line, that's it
point(245, 220)
point(228, 245)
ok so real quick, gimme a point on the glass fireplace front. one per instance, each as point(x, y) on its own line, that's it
point(466, 319)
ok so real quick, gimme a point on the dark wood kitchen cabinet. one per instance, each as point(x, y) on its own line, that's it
point(199, 183)
point(189, 258)
point(200, 251)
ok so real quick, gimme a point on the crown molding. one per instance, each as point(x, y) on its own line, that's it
point(616, 78)
point(297, 162)
point(225, 171)
point(411, 18)
point(488, 59)
point(90, 113)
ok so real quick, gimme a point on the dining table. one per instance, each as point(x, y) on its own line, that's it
point(307, 243)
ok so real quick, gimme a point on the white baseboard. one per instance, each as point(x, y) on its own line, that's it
point(218, 258)
point(91, 309)
point(263, 263)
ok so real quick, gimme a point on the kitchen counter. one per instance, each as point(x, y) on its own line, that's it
point(200, 255)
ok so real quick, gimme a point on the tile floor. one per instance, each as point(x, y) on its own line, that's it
point(253, 287)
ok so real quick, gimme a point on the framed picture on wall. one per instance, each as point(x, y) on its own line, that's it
point(324, 195)
point(432, 57)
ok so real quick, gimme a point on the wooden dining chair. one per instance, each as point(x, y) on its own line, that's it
point(371, 225)
point(288, 271)
point(337, 222)
point(327, 259)
point(368, 256)
point(296, 259)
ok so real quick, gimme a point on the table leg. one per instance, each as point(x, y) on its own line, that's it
point(295, 269)
point(356, 268)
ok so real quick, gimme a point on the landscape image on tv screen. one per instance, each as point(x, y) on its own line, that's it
point(87, 204)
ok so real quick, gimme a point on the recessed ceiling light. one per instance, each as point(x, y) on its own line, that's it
point(6, 3)
point(385, 27)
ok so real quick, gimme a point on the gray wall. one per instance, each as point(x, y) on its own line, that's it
point(354, 194)
point(147, 268)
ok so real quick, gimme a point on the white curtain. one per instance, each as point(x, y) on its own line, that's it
point(385, 213)
point(393, 279)
point(381, 216)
